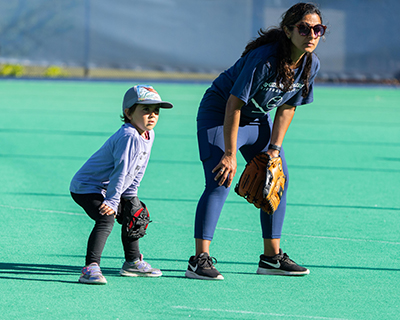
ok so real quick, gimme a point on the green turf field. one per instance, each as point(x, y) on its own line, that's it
point(342, 222)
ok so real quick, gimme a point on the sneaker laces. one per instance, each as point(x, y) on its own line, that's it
point(93, 270)
point(207, 261)
point(141, 264)
point(286, 258)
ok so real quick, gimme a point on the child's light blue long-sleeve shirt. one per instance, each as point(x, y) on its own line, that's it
point(117, 168)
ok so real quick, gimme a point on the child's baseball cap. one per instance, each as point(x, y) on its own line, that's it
point(143, 94)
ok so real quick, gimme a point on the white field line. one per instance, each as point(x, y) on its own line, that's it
point(315, 237)
point(255, 313)
point(341, 239)
point(42, 210)
point(218, 228)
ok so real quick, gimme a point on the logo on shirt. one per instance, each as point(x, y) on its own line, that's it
point(277, 96)
point(273, 87)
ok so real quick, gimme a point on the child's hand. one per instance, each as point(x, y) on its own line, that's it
point(106, 210)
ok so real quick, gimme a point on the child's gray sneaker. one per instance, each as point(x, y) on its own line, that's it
point(92, 275)
point(139, 268)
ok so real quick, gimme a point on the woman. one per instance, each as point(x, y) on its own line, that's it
point(276, 70)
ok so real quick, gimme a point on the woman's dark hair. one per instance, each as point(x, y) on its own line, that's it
point(131, 110)
point(285, 76)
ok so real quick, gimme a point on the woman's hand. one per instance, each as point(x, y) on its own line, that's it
point(226, 169)
point(106, 210)
point(273, 153)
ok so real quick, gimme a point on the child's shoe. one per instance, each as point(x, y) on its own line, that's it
point(139, 268)
point(92, 275)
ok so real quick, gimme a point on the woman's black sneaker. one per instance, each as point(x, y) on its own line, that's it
point(203, 268)
point(280, 264)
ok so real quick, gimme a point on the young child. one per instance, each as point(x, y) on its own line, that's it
point(111, 177)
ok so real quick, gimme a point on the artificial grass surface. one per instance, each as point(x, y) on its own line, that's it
point(342, 222)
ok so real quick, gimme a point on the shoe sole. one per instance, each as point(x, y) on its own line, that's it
point(193, 275)
point(278, 272)
point(98, 282)
point(139, 274)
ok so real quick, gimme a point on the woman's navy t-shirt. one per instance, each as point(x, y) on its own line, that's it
point(252, 79)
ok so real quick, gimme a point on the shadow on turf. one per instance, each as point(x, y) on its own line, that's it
point(351, 268)
point(47, 272)
point(255, 264)
point(112, 271)
point(39, 272)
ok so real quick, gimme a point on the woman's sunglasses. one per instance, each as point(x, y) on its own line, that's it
point(305, 29)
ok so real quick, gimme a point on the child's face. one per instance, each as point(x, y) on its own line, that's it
point(145, 117)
